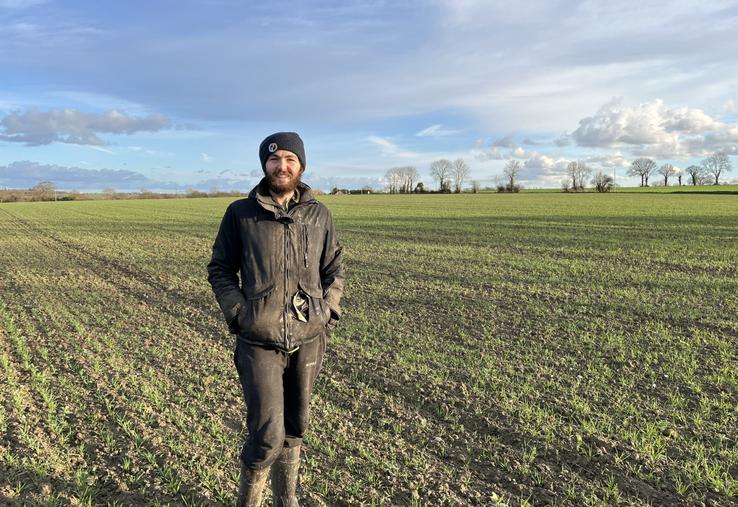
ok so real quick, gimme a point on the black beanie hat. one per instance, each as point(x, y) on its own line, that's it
point(289, 141)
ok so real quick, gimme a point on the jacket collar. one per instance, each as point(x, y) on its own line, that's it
point(261, 193)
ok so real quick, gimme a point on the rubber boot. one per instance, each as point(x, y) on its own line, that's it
point(284, 477)
point(251, 486)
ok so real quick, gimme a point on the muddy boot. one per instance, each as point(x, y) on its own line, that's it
point(284, 477)
point(251, 486)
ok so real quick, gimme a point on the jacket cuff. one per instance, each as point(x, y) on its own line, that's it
point(232, 318)
point(333, 300)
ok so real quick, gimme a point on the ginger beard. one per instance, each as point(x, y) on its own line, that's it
point(283, 170)
point(282, 181)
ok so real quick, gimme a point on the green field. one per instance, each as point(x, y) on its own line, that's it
point(687, 189)
point(671, 189)
point(529, 349)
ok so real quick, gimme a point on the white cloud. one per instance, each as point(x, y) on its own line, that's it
point(20, 4)
point(206, 158)
point(495, 153)
point(101, 149)
point(504, 142)
point(389, 148)
point(612, 159)
point(562, 140)
point(326, 183)
point(25, 174)
point(541, 162)
point(95, 101)
point(543, 170)
point(653, 129)
point(73, 126)
point(483, 154)
point(436, 130)
point(545, 66)
point(21, 29)
point(144, 151)
point(519, 152)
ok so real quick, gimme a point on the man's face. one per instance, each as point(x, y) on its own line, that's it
point(283, 171)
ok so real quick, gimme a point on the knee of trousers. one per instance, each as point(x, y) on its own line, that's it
point(262, 448)
point(298, 425)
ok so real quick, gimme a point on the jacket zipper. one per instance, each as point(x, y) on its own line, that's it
point(305, 238)
point(286, 295)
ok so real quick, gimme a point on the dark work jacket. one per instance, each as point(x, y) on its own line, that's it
point(277, 253)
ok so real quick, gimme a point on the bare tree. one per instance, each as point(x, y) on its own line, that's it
point(475, 186)
point(441, 172)
point(603, 182)
point(401, 179)
point(43, 191)
point(459, 173)
point(583, 172)
point(409, 175)
point(392, 178)
point(578, 173)
point(642, 167)
point(695, 173)
point(571, 171)
point(716, 164)
point(511, 171)
point(667, 170)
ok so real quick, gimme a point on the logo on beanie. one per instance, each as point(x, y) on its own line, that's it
point(272, 147)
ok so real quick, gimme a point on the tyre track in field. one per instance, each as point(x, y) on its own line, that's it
point(101, 387)
point(203, 320)
point(26, 299)
point(171, 301)
point(81, 367)
point(85, 422)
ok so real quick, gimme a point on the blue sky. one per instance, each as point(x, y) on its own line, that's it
point(175, 95)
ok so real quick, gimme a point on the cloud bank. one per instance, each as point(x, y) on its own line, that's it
point(25, 174)
point(72, 126)
point(653, 129)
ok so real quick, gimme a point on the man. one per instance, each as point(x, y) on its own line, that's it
point(283, 243)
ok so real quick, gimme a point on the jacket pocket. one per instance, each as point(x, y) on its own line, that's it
point(316, 318)
point(260, 316)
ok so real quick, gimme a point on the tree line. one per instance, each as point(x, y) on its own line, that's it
point(708, 172)
point(450, 177)
point(47, 191)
